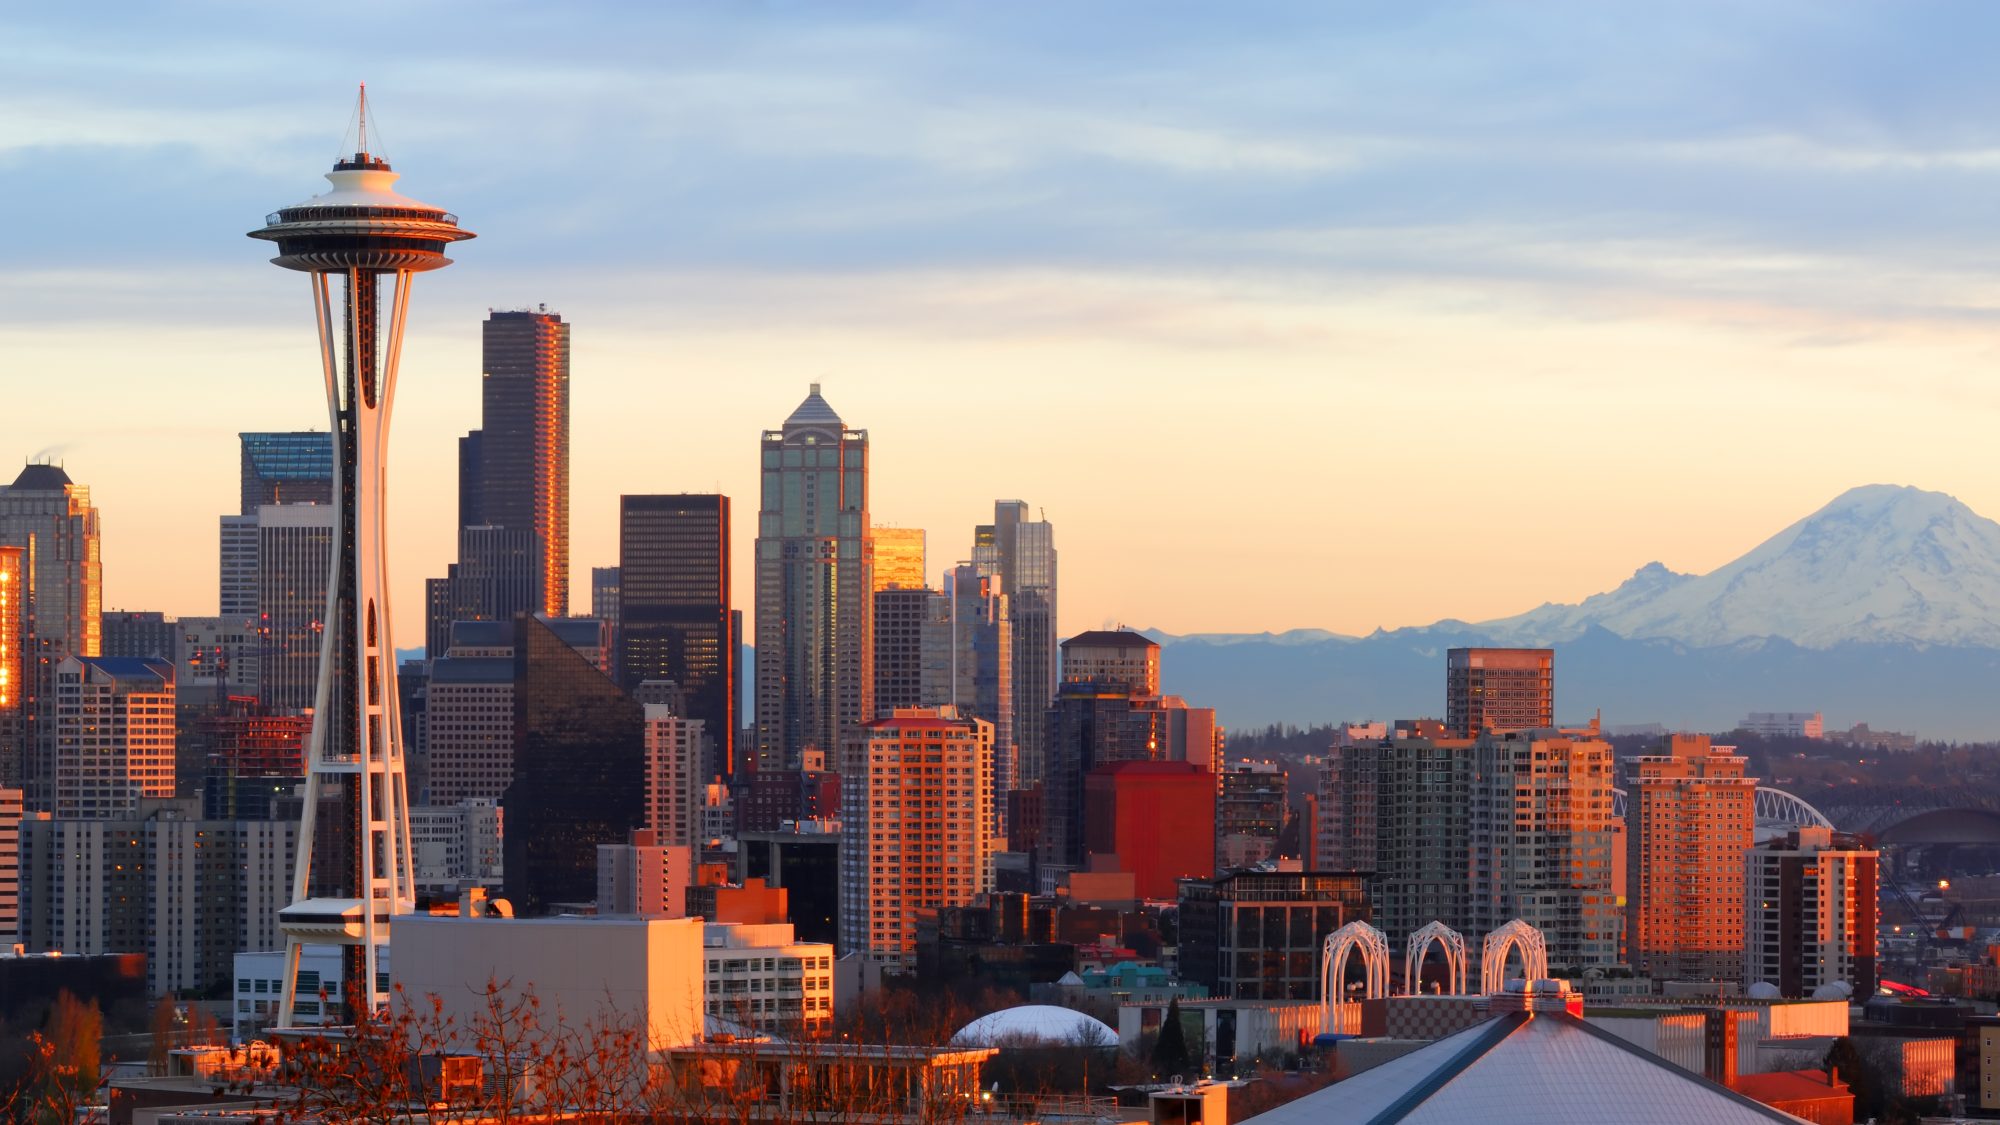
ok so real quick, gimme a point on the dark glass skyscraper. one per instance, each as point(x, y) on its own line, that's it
point(579, 771)
point(286, 468)
point(674, 611)
point(523, 439)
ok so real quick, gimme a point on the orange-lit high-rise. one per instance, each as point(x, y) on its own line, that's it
point(1499, 689)
point(1689, 818)
point(917, 798)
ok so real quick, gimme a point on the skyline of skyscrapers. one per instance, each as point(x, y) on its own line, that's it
point(815, 629)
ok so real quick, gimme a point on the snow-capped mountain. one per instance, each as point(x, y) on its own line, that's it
point(1881, 564)
point(1883, 606)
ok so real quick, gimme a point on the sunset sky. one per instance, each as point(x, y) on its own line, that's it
point(1286, 319)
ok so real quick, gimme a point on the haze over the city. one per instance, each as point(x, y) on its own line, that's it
point(1285, 317)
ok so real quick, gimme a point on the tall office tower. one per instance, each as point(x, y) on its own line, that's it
point(982, 666)
point(1689, 817)
point(1023, 553)
point(348, 241)
point(674, 616)
point(523, 440)
point(1397, 808)
point(1810, 913)
point(604, 594)
point(294, 563)
point(139, 632)
point(1118, 657)
point(913, 650)
point(899, 558)
point(1250, 808)
point(50, 515)
point(676, 776)
point(579, 771)
point(815, 627)
point(10, 865)
point(277, 468)
point(14, 642)
point(916, 791)
point(1153, 819)
point(286, 468)
point(114, 735)
point(1540, 824)
point(1499, 689)
point(50, 518)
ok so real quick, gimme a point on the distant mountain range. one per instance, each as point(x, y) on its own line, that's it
point(1882, 607)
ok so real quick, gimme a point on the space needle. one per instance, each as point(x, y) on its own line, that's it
point(361, 244)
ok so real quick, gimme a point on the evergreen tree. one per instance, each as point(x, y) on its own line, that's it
point(1170, 1050)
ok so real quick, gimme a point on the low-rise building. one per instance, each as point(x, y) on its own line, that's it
point(762, 977)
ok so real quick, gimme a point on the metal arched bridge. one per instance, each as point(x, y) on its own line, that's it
point(1913, 823)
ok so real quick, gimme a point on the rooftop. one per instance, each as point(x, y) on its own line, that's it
point(1526, 1067)
point(814, 411)
point(1111, 638)
point(42, 478)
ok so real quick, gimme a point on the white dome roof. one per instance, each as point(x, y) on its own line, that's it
point(1763, 990)
point(1834, 990)
point(1032, 1024)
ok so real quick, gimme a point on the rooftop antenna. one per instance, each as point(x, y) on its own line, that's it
point(361, 117)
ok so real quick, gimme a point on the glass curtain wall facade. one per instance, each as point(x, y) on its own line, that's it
point(815, 622)
point(673, 610)
point(285, 468)
point(579, 771)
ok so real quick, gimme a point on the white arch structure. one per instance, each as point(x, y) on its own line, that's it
point(1775, 806)
point(1770, 806)
point(1454, 958)
point(1374, 949)
point(1493, 960)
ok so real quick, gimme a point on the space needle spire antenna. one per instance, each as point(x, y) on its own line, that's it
point(360, 244)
